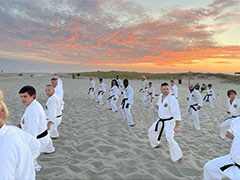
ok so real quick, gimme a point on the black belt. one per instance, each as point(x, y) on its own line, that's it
point(43, 134)
point(140, 90)
point(161, 131)
point(99, 92)
point(223, 168)
point(207, 96)
point(192, 106)
point(123, 102)
point(59, 116)
point(110, 97)
point(90, 90)
point(232, 117)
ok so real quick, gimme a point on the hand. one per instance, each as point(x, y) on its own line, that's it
point(229, 135)
point(156, 106)
point(228, 112)
point(177, 126)
point(199, 107)
point(49, 125)
point(176, 129)
point(19, 126)
point(127, 106)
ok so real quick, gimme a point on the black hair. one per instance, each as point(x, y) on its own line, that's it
point(100, 79)
point(229, 92)
point(164, 84)
point(116, 83)
point(29, 89)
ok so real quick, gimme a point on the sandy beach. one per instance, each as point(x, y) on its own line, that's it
point(96, 144)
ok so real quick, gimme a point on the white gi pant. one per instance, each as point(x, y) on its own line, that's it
point(148, 102)
point(99, 97)
point(113, 104)
point(210, 100)
point(175, 150)
point(126, 112)
point(53, 132)
point(195, 117)
point(212, 169)
point(224, 127)
point(143, 94)
point(91, 95)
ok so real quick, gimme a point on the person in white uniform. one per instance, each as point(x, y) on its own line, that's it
point(233, 110)
point(18, 150)
point(127, 103)
point(58, 87)
point(169, 121)
point(226, 166)
point(114, 95)
point(173, 89)
point(92, 84)
point(194, 105)
point(53, 112)
point(210, 95)
point(150, 96)
point(119, 82)
point(101, 92)
point(34, 121)
point(144, 87)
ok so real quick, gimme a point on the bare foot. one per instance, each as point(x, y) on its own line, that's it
point(180, 160)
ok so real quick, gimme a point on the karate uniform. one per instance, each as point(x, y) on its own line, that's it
point(59, 92)
point(114, 93)
point(149, 99)
point(18, 150)
point(128, 99)
point(119, 82)
point(143, 90)
point(174, 91)
point(54, 114)
point(194, 100)
point(91, 89)
point(34, 122)
point(217, 169)
point(101, 92)
point(234, 110)
point(210, 96)
point(168, 112)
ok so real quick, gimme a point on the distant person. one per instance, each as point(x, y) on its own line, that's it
point(210, 95)
point(233, 110)
point(18, 150)
point(194, 105)
point(119, 81)
point(58, 88)
point(101, 92)
point(114, 95)
point(173, 89)
point(125, 107)
point(78, 75)
point(197, 86)
point(91, 90)
point(203, 88)
point(144, 87)
point(150, 96)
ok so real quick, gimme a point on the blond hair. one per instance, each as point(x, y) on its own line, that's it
point(3, 107)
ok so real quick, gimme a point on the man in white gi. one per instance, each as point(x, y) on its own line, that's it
point(169, 121)
point(53, 112)
point(194, 105)
point(92, 84)
point(18, 150)
point(34, 121)
point(101, 92)
point(233, 110)
point(210, 95)
point(127, 103)
point(173, 89)
point(226, 166)
point(58, 88)
point(143, 90)
point(114, 95)
point(150, 96)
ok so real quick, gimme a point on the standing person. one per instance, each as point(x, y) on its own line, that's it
point(114, 95)
point(169, 121)
point(173, 89)
point(226, 166)
point(101, 92)
point(92, 84)
point(53, 112)
point(18, 150)
point(233, 110)
point(58, 88)
point(194, 105)
point(210, 95)
point(143, 90)
point(34, 121)
point(119, 81)
point(127, 103)
point(150, 96)
point(204, 87)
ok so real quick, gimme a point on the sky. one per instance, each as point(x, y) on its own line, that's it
point(127, 35)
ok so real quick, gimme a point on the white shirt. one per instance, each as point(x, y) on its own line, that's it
point(34, 119)
point(174, 90)
point(195, 98)
point(102, 87)
point(168, 108)
point(53, 108)
point(211, 91)
point(119, 82)
point(92, 84)
point(151, 90)
point(114, 91)
point(234, 108)
point(144, 85)
point(18, 150)
point(128, 93)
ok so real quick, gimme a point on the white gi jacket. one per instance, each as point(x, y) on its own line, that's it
point(92, 84)
point(53, 108)
point(102, 87)
point(234, 108)
point(128, 93)
point(174, 90)
point(195, 98)
point(114, 91)
point(144, 85)
point(211, 91)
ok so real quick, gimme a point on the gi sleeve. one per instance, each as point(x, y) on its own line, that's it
point(174, 108)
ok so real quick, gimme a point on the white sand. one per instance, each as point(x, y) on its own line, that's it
point(96, 144)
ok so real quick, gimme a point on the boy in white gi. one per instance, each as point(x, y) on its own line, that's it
point(210, 95)
point(114, 95)
point(150, 96)
point(127, 103)
point(169, 121)
point(92, 88)
point(173, 89)
point(34, 121)
point(194, 105)
point(143, 90)
point(233, 110)
point(226, 166)
point(18, 150)
point(101, 92)
point(53, 112)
